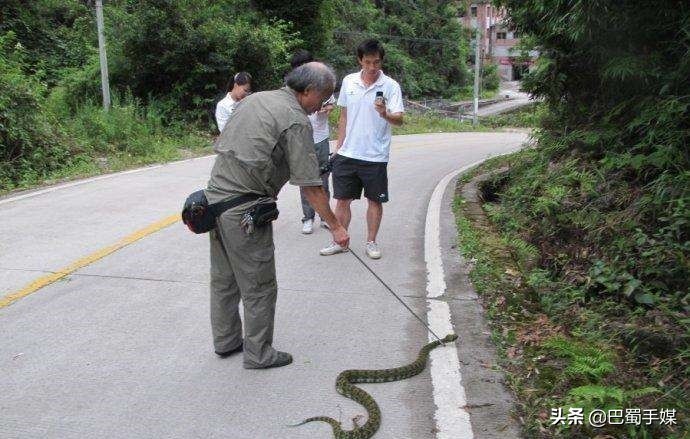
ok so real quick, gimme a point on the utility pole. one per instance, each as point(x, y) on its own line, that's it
point(103, 57)
point(477, 60)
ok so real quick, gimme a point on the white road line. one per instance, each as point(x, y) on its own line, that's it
point(92, 179)
point(452, 420)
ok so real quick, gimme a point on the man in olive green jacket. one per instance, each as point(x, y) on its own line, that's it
point(266, 143)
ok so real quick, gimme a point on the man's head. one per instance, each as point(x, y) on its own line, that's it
point(313, 83)
point(300, 57)
point(240, 86)
point(370, 56)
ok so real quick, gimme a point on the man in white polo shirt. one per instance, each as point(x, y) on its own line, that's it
point(370, 103)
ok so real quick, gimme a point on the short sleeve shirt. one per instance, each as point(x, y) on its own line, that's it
point(319, 123)
point(368, 135)
point(224, 109)
point(266, 143)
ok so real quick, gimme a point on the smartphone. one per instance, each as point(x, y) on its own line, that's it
point(379, 99)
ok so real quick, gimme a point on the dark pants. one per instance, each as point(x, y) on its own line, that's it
point(322, 150)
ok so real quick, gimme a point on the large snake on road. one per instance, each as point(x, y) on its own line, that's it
point(344, 384)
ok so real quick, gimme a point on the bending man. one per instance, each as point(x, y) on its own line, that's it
point(268, 141)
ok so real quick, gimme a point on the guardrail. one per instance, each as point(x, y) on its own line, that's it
point(447, 108)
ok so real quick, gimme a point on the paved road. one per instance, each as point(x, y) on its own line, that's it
point(518, 98)
point(121, 346)
point(504, 106)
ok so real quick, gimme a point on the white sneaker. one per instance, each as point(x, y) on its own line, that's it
point(325, 225)
point(332, 249)
point(373, 250)
point(308, 226)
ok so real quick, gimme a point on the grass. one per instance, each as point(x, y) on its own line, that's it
point(559, 348)
point(528, 116)
point(467, 94)
point(97, 142)
point(415, 123)
point(131, 135)
point(430, 123)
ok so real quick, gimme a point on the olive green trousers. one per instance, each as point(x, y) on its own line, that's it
point(243, 267)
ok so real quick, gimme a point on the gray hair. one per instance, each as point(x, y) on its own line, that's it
point(312, 75)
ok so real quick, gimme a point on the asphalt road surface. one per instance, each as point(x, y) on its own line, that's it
point(104, 316)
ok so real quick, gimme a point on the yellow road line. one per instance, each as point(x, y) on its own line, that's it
point(90, 259)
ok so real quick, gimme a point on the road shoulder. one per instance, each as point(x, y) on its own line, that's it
point(488, 401)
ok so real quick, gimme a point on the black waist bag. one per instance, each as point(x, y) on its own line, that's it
point(200, 217)
point(263, 213)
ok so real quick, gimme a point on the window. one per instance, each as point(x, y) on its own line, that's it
point(501, 35)
point(473, 11)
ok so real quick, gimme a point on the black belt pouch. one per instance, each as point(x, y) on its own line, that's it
point(263, 213)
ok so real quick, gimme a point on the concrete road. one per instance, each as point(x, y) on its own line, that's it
point(517, 98)
point(120, 347)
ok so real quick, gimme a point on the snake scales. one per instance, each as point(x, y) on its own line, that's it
point(344, 384)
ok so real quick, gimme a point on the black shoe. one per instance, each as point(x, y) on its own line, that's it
point(282, 359)
point(239, 348)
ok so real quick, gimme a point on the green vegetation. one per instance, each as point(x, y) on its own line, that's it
point(426, 47)
point(43, 139)
point(561, 346)
point(529, 116)
point(524, 117)
point(416, 123)
point(467, 94)
point(430, 123)
point(169, 63)
point(583, 261)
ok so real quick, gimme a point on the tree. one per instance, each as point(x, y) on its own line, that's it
point(616, 77)
point(182, 53)
point(426, 45)
point(312, 19)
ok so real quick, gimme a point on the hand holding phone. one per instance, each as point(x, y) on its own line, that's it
point(380, 104)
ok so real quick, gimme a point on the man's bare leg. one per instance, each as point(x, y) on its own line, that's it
point(374, 215)
point(343, 212)
point(342, 215)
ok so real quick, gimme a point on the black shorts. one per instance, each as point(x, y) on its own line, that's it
point(350, 176)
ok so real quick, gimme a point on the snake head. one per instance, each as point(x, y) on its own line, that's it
point(449, 338)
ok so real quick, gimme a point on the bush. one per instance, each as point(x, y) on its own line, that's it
point(426, 46)
point(56, 34)
point(605, 195)
point(29, 146)
point(490, 77)
point(127, 134)
point(619, 116)
point(182, 54)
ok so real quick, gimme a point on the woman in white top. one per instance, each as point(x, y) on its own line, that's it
point(239, 87)
point(319, 124)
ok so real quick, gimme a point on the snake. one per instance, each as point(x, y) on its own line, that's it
point(345, 385)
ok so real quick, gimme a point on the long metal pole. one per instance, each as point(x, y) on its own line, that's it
point(105, 86)
point(475, 116)
point(396, 296)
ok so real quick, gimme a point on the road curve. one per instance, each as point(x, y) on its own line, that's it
point(121, 346)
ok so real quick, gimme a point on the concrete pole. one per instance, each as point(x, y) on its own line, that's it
point(477, 60)
point(104, 59)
